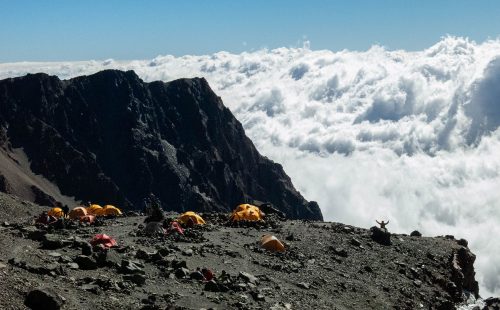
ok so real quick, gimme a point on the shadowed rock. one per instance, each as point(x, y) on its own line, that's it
point(380, 235)
point(45, 299)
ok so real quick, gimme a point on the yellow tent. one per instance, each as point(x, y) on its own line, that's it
point(56, 212)
point(271, 243)
point(190, 216)
point(111, 210)
point(77, 212)
point(246, 212)
point(95, 210)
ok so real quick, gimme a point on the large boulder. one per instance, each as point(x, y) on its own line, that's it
point(380, 235)
point(43, 299)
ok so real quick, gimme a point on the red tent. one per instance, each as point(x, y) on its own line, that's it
point(175, 227)
point(104, 240)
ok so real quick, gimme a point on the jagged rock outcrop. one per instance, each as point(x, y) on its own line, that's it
point(462, 262)
point(112, 138)
point(4, 185)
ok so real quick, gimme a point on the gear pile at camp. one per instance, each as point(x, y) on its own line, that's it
point(156, 223)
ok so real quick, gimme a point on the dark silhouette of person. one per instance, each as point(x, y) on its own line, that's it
point(65, 210)
point(382, 224)
point(146, 206)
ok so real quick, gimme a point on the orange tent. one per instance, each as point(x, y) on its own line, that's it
point(190, 217)
point(111, 210)
point(56, 212)
point(95, 210)
point(89, 218)
point(246, 212)
point(77, 213)
point(271, 243)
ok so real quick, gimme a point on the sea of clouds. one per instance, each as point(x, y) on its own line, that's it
point(410, 137)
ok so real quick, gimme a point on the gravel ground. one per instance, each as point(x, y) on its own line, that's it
point(326, 266)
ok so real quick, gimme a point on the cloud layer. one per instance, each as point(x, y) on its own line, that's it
point(407, 136)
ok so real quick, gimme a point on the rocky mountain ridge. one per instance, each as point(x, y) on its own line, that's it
point(112, 138)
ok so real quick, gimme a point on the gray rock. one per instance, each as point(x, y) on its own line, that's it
point(196, 275)
point(73, 266)
point(91, 288)
point(181, 272)
point(179, 264)
point(303, 285)
point(55, 254)
point(53, 242)
point(257, 296)
point(48, 269)
point(138, 279)
point(355, 242)
point(86, 248)
point(43, 299)
point(85, 262)
point(35, 233)
point(141, 254)
point(415, 233)
point(154, 229)
point(16, 261)
point(248, 278)
point(65, 259)
point(109, 258)
point(156, 256)
point(340, 252)
point(2, 265)
point(164, 251)
point(380, 235)
point(492, 303)
point(129, 267)
point(212, 286)
point(188, 252)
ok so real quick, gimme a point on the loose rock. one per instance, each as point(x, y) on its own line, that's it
point(355, 242)
point(380, 235)
point(138, 279)
point(304, 285)
point(415, 233)
point(248, 278)
point(43, 299)
point(85, 262)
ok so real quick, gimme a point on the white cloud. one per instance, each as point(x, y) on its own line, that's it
point(407, 136)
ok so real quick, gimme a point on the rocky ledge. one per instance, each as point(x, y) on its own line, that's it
point(221, 266)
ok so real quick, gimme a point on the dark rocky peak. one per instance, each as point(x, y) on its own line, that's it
point(112, 138)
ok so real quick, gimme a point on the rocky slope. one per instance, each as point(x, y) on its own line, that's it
point(326, 266)
point(112, 138)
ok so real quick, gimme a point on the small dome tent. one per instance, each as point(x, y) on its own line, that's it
point(56, 212)
point(190, 217)
point(111, 210)
point(77, 212)
point(246, 212)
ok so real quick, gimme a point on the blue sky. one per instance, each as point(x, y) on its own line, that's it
point(81, 30)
